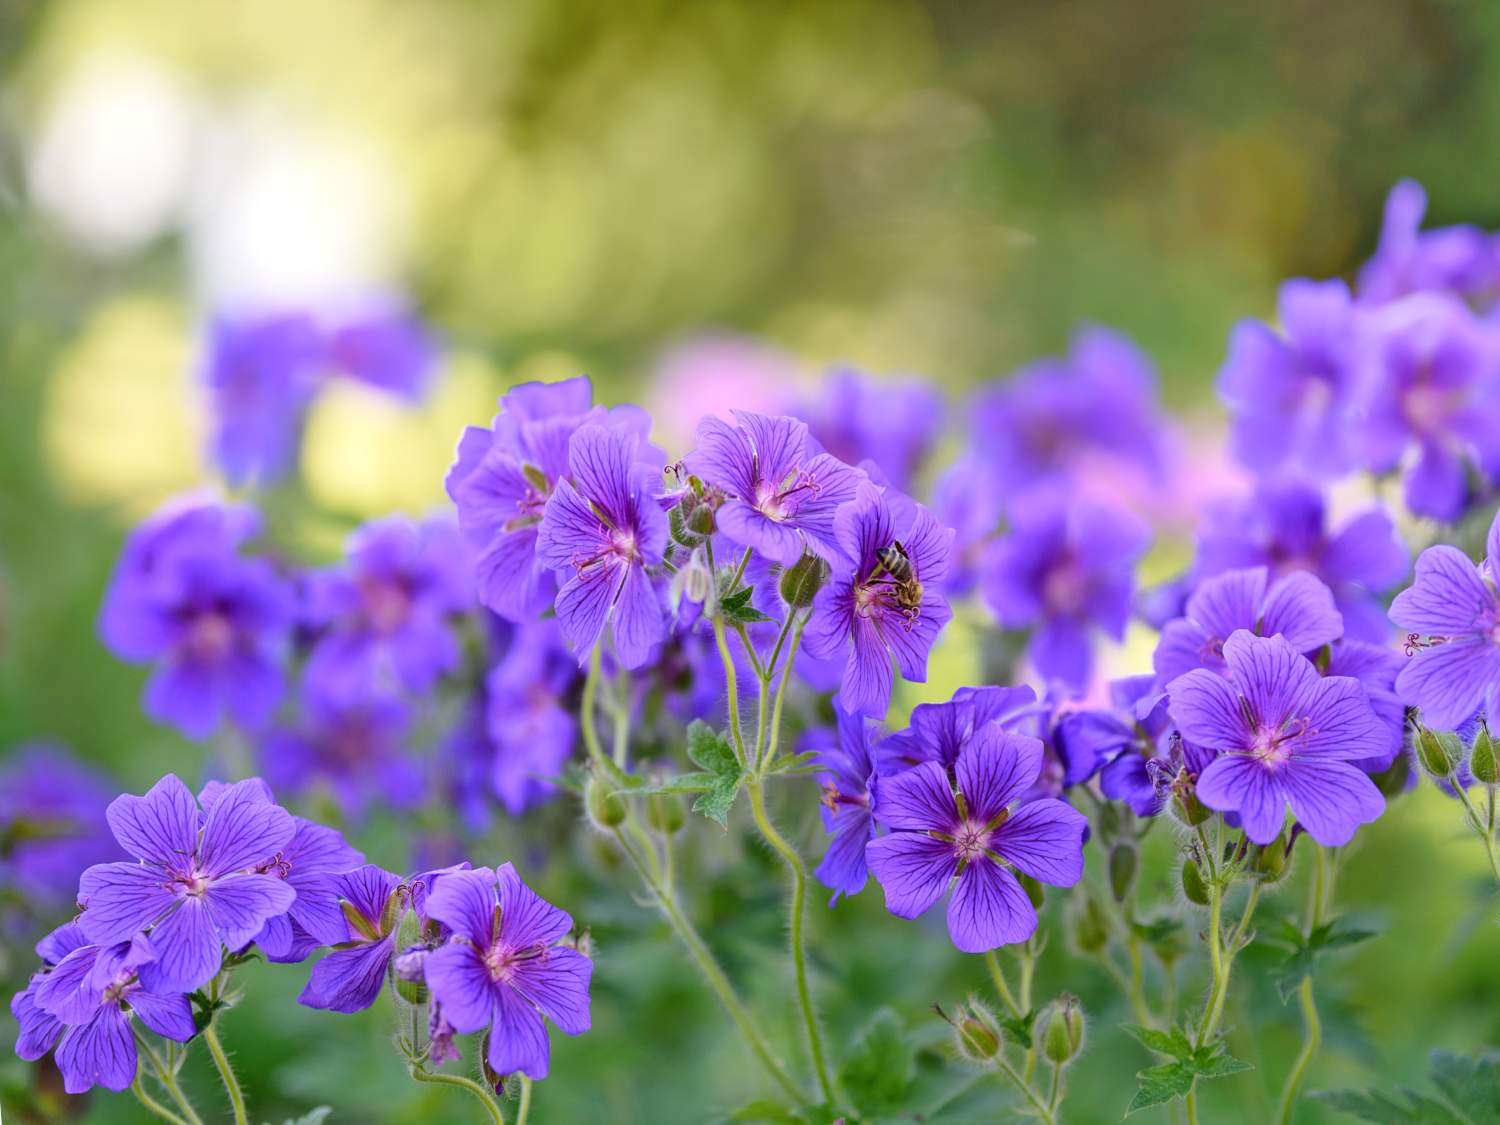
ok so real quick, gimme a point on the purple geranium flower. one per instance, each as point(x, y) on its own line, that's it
point(1298, 607)
point(1459, 259)
point(893, 422)
point(1065, 570)
point(51, 824)
point(1290, 395)
point(84, 1002)
point(386, 616)
point(968, 498)
point(215, 624)
point(1284, 736)
point(1133, 740)
point(847, 755)
point(976, 837)
point(196, 885)
point(358, 752)
point(784, 491)
point(1452, 613)
point(601, 530)
point(939, 732)
point(503, 969)
point(1283, 528)
point(1057, 420)
point(261, 372)
point(530, 724)
point(505, 475)
point(308, 863)
point(383, 346)
point(1433, 401)
point(1376, 667)
point(39, 1029)
point(865, 606)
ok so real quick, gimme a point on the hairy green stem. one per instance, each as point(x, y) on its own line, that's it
point(226, 1073)
point(732, 682)
point(1319, 893)
point(1483, 827)
point(786, 676)
point(153, 1106)
point(997, 975)
point(168, 1080)
point(709, 966)
point(491, 1107)
point(1041, 1107)
point(525, 1107)
point(798, 871)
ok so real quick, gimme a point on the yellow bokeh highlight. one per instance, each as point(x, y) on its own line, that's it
point(365, 453)
point(120, 426)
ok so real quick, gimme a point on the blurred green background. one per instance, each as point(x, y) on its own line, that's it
point(943, 189)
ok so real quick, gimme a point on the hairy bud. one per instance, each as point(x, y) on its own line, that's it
point(605, 807)
point(975, 1032)
point(1123, 861)
point(664, 812)
point(1439, 752)
point(1062, 1038)
point(801, 583)
point(1193, 886)
point(1091, 928)
point(1484, 759)
point(1268, 862)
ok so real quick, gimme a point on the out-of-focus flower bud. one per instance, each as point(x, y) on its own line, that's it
point(1033, 889)
point(1188, 809)
point(1062, 1038)
point(664, 812)
point(1483, 762)
point(975, 1032)
point(1439, 752)
point(1193, 886)
point(692, 591)
point(1123, 861)
point(605, 807)
point(801, 583)
point(1091, 928)
point(1268, 862)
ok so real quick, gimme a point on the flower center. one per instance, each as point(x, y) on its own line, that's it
point(191, 883)
point(387, 604)
point(1274, 746)
point(210, 636)
point(970, 840)
point(500, 963)
point(1065, 589)
point(1427, 407)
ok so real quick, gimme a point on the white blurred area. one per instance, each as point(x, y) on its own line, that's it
point(275, 207)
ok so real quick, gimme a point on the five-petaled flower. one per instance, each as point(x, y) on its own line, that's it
point(1284, 736)
point(975, 836)
point(503, 969)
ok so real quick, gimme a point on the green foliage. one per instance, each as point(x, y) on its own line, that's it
point(877, 1072)
point(311, 1117)
point(1020, 1029)
point(711, 751)
point(1174, 1079)
point(736, 608)
point(1305, 951)
point(1469, 1086)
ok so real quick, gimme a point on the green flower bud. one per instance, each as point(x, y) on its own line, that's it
point(412, 991)
point(1484, 760)
point(975, 1032)
point(1063, 1037)
point(1193, 885)
point(1091, 928)
point(1190, 810)
point(1392, 780)
point(1438, 751)
point(701, 519)
point(605, 807)
point(1269, 863)
point(664, 812)
point(1122, 868)
point(1033, 889)
point(800, 583)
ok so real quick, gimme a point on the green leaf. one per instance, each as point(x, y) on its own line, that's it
point(682, 783)
point(1160, 1084)
point(767, 1112)
point(716, 803)
point(311, 1117)
point(736, 607)
point(1470, 1083)
point(805, 762)
point(709, 749)
point(1021, 1029)
point(1368, 1105)
point(1174, 1042)
point(1305, 953)
point(878, 1070)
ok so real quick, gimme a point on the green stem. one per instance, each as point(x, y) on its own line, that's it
point(786, 676)
point(1027, 957)
point(732, 681)
point(226, 1073)
point(1056, 1092)
point(1478, 824)
point(1043, 1111)
point(798, 948)
point(688, 934)
point(1319, 893)
point(588, 704)
point(525, 1107)
point(459, 1082)
point(152, 1105)
point(1214, 1009)
point(997, 974)
point(168, 1081)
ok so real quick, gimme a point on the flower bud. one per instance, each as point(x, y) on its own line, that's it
point(801, 583)
point(691, 591)
point(664, 812)
point(1484, 759)
point(1438, 751)
point(1268, 863)
point(410, 973)
point(701, 519)
point(1122, 867)
point(1033, 889)
point(975, 1032)
point(1090, 928)
point(1193, 886)
point(1190, 810)
point(605, 807)
point(1063, 1037)
point(1393, 780)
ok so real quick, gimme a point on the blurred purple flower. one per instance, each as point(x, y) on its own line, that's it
point(195, 886)
point(385, 616)
point(1058, 420)
point(1284, 735)
point(600, 530)
point(216, 624)
point(860, 607)
point(1461, 260)
point(530, 722)
point(503, 969)
point(384, 346)
point(783, 490)
point(1064, 571)
point(892, 422)
point(51, 823)
point(1282, 527)
point(1290, 395)
point(1297, 607)
point(1433, 404)
point(1452, 613)
point(934, 838)
point(968, 498)
point(358, 752)
point(939, 732)
point(504, 476)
